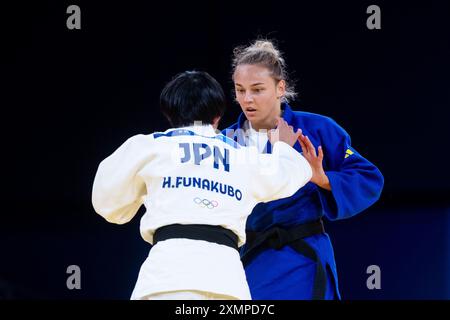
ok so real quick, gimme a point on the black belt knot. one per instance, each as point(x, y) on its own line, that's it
point(276, 238)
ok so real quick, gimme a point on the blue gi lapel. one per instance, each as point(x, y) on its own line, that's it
point(288, 116)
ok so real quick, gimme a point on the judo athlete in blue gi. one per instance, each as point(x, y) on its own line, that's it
point(288, 255)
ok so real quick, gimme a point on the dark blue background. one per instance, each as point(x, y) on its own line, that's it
point(71, 97)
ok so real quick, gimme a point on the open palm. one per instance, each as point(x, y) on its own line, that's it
point(315, 161)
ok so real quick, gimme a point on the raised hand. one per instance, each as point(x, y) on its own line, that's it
point(284, 132)
point(315, 160)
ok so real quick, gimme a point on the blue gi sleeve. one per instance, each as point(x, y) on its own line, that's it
point(355, 182)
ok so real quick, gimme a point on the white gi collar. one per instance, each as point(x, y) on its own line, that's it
point(252, 132)
point(203, 130)
point(255, 138)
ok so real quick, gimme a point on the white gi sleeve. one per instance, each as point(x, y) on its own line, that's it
point(118, 191)
point(283, 172)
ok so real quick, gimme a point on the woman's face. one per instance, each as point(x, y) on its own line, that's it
point(258, 94)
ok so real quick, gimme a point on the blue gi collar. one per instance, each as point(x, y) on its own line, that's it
point(206, 131)
point(288, 116)
point(286, 109)
point(202, 130)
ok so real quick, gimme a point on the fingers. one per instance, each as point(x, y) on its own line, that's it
point(303, 146)
point(309, 151)
point(310, 146)
point(301, 140)
point(320, 153)
point(279, 122)
point(302, 137)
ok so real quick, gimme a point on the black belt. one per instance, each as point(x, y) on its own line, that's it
point(276, 238)
point(216, 234)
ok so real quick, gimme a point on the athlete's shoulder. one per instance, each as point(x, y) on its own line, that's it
point(135, 142)
point(141, 139)
point(312, 117)
point(228, 139)
point(234, 126)
point(172, 132)
point(318, 121)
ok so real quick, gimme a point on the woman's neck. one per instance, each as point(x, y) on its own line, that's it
point(268, 123)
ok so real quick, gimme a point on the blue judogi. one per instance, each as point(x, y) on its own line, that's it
point(356, 184)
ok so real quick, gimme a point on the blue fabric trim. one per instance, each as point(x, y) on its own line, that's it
point(184, 132)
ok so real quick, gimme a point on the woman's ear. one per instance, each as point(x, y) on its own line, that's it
point(281, 88)
point(216, 121)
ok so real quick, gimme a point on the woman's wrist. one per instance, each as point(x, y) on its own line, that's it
point(323, 182)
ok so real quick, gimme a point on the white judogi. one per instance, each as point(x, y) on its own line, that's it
point(180, 182)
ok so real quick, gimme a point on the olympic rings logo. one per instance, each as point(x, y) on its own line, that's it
point(205, 203)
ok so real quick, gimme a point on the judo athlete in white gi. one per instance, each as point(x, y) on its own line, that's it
point(198, 188)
